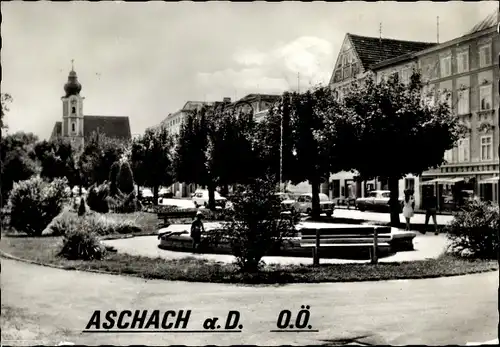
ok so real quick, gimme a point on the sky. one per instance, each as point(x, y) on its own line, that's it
point(146, 60)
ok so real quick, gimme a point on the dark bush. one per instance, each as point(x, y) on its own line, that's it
point(82, 244)
point(113, 178)
point(125, 178)
point(34, 203)
point(474, 231)
point(97, 198)
point(82, 208)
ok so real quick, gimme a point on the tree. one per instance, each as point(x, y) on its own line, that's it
point(113, 178)
point(5, 99)
point(17, 160)
point(397, 132)
point(193, 152)
point(57, 160)
point(98, 155)
point(307, 148)
point(125, 178)
point(152, 159)
point(233, 159)
point(274, 142)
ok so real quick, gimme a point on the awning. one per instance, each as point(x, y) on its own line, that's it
point(493, 179)
point(444, 180)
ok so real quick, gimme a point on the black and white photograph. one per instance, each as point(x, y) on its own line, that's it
point(250, 173)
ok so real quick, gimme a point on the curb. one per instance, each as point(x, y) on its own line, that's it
point(33, 262)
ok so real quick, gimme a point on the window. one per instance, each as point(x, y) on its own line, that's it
point(73, 109)
point(73, 127)
point(463, 100)
point(487, 147)
point(445, 64)
point(372, 195)
point(448, 156)
point(406, 75)
point(463, 150)
point(485, 97)
point(386, 195)
point(446, 97)
point(429, 96)
point(344, 60)
point(463, 61)
point(485, 55)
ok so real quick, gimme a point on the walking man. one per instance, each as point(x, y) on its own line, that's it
point(430, 211)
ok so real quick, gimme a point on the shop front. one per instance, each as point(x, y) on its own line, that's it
point(450, 192)
point(488, 189)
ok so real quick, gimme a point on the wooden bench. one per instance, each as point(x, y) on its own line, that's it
point(371, 237)
point(166, 216)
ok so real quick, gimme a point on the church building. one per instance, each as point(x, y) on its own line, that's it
point(77, 127)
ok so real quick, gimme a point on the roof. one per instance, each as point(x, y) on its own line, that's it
point(111, 126)
point(372, 50)
point(261, 96)
point(488, 22)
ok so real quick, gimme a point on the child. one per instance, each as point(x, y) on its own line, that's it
point(196, 230)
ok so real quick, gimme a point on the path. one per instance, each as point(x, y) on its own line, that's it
point(419, 218)
point(58, 304)
point(426, 246)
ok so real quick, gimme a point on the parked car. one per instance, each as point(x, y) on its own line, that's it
point(200, 198)
point(165, 193)
point(377, 200)
point(345, 201)
point(287, 201)
point(304, 204)
point(146, 196)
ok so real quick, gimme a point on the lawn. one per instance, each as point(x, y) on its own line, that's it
point(44, 250)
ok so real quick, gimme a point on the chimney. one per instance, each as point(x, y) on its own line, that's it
point(228, 100)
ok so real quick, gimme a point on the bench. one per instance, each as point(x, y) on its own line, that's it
point(165, 216)
point(371, 237)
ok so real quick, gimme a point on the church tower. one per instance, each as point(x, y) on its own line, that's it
point(72, 124)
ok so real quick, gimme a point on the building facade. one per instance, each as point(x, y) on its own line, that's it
point(76, 127)
point(463, 72)
point(359, 57)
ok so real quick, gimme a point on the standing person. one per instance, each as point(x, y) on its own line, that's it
point(430, 211)
point(196, 229)
point(409, 207)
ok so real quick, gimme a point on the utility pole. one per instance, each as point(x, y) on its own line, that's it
point(281, 142)
point(437, 29)
point(298, 82)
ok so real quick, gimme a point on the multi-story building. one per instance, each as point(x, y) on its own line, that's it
point(464, 72)
point(359, 57)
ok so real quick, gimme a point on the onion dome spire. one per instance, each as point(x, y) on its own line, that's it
point(72, 87)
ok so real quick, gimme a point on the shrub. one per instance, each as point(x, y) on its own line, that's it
point(34, 203)
point(113, 177)
point(97, 198)
point(124, 203)
point(125, 178)
point(474, 231)
point(82, 209)
point(255, 225)
point(101, 224)
point(82, 244)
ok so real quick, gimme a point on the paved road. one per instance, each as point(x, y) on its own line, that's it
point(426, 247)
point(341, 213)
point(53, 305)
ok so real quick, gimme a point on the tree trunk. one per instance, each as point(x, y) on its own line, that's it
point(211, 196)
point(315, 213)
point(155, 195)
point(225, 190)
point(395, 206)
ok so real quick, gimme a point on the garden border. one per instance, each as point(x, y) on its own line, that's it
point(7, 255)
